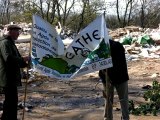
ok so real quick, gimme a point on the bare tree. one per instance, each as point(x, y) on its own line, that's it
point(117, 8)
point(127, 12)
point(130, 11)
point(153, 15)
point(142, 12)
point(148, 12)
point(53, 11)
point(4, 11)
point(85, 4)
point(64, 8)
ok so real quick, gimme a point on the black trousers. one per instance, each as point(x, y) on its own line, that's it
point(10, 103)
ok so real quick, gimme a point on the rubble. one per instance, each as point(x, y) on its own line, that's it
point(136, 41)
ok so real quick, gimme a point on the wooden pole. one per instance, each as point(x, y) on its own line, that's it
point(107, 87)
point(25, 94)
point(26, 83)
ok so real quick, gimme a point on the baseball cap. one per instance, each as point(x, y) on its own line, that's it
point(13, 27)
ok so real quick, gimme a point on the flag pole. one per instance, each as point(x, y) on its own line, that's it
point(26, 83)
point(107, 85)
point(25, 94)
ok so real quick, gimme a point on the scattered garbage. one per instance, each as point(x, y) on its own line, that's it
point(145, 39)
point(146, 87)
point(127, 40)
point(27, 106)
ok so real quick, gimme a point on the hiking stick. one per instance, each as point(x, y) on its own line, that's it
point(25, 94)
point(25, 90)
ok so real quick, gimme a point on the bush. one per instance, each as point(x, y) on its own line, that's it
point(153, 106)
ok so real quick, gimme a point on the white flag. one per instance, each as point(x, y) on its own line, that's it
point(89, 51)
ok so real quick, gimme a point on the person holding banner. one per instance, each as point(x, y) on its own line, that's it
point(10, 75)
point(116, 77)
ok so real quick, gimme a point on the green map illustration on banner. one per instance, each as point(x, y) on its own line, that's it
point(101, 53)
point(87, 52)
point(60, 65)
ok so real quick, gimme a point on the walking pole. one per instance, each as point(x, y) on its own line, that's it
point(25, 90)
point(25, 93)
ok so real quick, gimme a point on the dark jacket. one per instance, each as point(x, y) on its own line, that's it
point(10, 63)
point(118, 73)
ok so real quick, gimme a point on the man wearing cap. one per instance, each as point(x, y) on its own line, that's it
point(10, 75)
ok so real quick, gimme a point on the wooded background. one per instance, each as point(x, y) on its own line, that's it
point(76, 14)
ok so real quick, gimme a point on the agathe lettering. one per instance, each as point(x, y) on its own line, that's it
point(77, 41)
point(87, 38)
point(69, 55)
point(95, 36)
point(76, 49)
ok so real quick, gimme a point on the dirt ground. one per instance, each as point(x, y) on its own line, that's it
point(81, 98)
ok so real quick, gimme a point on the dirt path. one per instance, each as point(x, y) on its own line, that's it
point(81, 98)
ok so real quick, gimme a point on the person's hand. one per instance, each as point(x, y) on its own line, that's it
point(26, 58)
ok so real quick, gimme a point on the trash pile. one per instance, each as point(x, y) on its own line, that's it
point(138, 42)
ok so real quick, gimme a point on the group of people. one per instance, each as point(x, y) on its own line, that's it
point(10, 76)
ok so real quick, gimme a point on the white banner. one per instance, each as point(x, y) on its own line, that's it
point(89, 51)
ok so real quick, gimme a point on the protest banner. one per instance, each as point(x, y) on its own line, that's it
point(89, 51)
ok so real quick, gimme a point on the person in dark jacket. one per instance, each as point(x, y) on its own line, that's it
point(116, 77)
point(10, 75)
